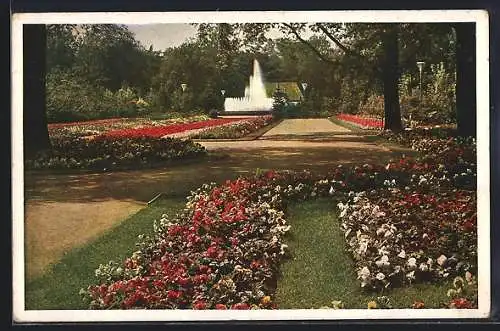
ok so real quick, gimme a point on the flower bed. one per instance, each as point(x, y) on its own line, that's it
point(235, 130)
point(99, 127)
point(222, 252)
point(361, 122)
point(404, 222)
point(402, 236)
point(113, 153)
point(163, 130)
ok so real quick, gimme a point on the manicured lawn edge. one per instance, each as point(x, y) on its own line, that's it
point(252, 136)
point(59, 287)
point(321, 271)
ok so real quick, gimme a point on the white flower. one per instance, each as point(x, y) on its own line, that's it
point(430, 261)
point(331, 190)
point(410, 275)
point(388, 234)
point(425, 236)
point(422, 180)
point(380, 276)
point(364, 273)
point(423, 267)
point(347, 233)
point(383, 251)
point(468, 277)
point(412, 262)
point(441, 260)
point(402, 254)
point(283, 249)
point(384, 261)
point(363, 246)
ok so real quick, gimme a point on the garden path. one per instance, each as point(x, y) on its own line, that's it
point(59, 202)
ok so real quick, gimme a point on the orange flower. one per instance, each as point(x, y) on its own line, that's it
point(266, 300)
point(372, 305)
point(418, 305)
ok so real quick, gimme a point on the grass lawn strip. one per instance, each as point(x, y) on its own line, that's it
point(321, 271)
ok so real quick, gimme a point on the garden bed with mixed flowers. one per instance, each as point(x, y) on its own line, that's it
point(235, 130)
point(404, 222)
point(103, 153)
point(165, 130)
point(363, 122)
point(101, 127)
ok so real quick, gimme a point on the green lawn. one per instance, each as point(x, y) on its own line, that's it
point(321, 271)
point(59, 287)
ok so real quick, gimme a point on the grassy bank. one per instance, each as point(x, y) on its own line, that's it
point(59, 287)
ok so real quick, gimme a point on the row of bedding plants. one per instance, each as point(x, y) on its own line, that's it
point(100, 127)
point(169, 129)
point(363, 122)
point(103, 153)
point(235, 130)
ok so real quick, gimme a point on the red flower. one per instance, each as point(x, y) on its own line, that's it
point(204, 269)
point(183, 281)
point(240, 306)
point(255, 264)
point(199, 305)
point(418, 305)
point(171, 294)
point(200, 279)
point(461, 303)
point(220, 306)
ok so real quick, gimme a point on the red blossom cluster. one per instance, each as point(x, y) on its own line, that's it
point(160, 131)
point(363, 122)
point(219, 255)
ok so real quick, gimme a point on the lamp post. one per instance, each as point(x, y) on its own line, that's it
point(420, 65)
point(304, 87)
point(183, 87)
point(223, 92)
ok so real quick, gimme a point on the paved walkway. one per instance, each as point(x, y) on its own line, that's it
point(81, 206)
point(305, 127)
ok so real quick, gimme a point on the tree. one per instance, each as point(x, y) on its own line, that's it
point(36, 135)
point(390, 74)
point(466, 79)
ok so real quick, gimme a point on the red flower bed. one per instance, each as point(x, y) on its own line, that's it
point(105, 121)
point(363, 122)
point(160, 131)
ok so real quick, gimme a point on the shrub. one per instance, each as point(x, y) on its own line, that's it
point(213, 113)
point(104, 153)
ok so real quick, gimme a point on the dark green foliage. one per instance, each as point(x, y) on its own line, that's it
point(114, 153)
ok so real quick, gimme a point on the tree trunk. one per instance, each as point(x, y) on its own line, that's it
point(390, 78)
point(466, 79)
point(36, 134)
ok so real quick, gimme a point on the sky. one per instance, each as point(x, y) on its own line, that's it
point(162, 36)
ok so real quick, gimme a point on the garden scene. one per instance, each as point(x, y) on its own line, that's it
point(250, 166)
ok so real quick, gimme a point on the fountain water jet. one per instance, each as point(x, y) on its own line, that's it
point(255, 99)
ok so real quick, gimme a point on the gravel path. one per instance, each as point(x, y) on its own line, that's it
point(305, 127)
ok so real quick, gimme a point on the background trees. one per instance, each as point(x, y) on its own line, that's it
point(94, 71)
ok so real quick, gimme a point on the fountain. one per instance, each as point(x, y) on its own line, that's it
point(255, 99)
